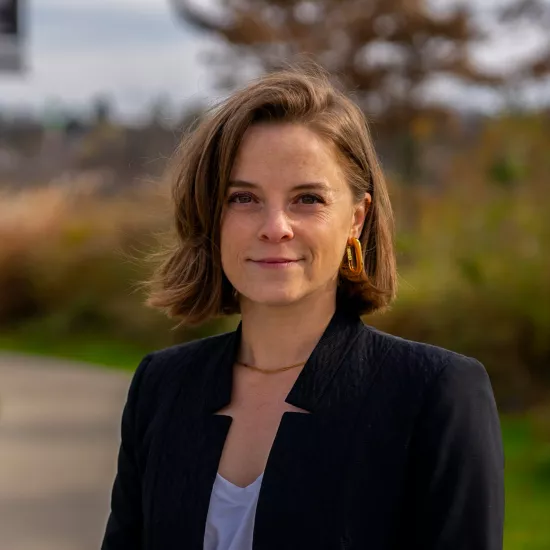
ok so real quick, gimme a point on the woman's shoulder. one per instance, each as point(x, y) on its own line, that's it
point(418, 359)
point(444, 383)
point(186, 352)
point(168, 367)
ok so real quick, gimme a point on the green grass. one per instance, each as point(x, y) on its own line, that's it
point(527, 525)
point(527, 468)
point(98, 350)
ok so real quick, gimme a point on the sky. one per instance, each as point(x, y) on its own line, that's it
point(134, 51)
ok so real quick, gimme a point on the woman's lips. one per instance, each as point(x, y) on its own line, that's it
point(275, 264)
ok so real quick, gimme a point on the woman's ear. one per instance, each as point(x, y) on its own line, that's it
point(359, 215)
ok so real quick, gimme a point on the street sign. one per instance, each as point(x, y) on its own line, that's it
point(10, 35)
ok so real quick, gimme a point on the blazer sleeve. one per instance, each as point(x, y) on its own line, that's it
point(459, 463)
point(124, 524)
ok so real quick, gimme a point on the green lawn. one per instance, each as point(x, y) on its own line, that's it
point(527, 525)
point(90, 349)
point(527, 459)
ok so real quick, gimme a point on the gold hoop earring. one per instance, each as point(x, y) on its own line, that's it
point(353, 267)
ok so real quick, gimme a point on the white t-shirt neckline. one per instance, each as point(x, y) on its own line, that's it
point(253, 484)
point(231, 515)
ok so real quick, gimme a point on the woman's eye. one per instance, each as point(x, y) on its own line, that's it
point(239, 198)
point(311, 199)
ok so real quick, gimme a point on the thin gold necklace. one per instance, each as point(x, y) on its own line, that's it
point(270, 371)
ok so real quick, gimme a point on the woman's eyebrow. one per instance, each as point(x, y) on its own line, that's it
point(313, 186)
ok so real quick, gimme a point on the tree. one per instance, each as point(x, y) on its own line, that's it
point(387, 52)
point(384, 50)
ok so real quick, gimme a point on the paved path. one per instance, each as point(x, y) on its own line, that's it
point(59, 437)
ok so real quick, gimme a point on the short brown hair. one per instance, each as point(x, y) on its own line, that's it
point(189, 282)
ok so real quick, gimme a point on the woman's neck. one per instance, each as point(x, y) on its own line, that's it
point(275, 337)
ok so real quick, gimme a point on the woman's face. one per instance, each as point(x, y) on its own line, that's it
point(287, 216)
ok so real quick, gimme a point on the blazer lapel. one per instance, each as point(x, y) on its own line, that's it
point(304, 466)
point(300, 485)
point(315, 377)
point(188, 448)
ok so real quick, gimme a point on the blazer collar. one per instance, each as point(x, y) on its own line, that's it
point(326, 358)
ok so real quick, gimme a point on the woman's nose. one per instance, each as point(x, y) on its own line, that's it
point(276, 225)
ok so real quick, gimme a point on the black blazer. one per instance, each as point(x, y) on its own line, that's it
point(402, 449)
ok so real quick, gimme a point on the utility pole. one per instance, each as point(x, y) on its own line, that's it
point(11, 42)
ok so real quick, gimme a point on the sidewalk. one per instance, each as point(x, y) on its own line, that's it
point(59, 437)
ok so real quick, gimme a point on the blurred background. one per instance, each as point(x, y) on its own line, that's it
point(94, 96)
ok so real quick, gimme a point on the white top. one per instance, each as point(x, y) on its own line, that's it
point(230, 520)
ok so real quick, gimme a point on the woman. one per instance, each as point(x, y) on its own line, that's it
point(304, 428)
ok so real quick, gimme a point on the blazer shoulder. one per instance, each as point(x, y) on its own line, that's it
point(420, 358)
point(187, 350)
point(167, 367)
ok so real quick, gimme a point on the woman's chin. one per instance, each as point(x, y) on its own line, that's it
point(278, 297)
